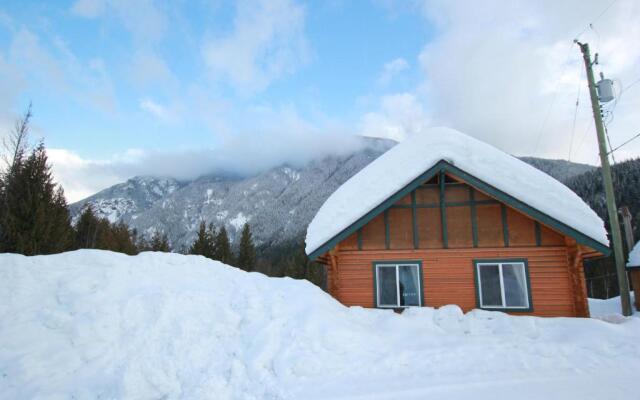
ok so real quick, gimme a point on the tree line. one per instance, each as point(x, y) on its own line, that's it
point(35, 218)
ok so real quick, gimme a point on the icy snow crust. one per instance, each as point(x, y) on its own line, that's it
point(406, 161)
point(94, 324)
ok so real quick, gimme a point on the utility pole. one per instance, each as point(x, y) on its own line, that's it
point(612, 210)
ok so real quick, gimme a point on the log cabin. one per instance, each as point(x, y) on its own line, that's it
point(443, 218)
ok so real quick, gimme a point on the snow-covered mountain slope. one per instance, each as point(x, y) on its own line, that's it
point(94, 324)
point(278, 203)
point(123, 201)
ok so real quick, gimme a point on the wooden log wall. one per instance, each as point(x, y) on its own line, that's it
point(448, 276)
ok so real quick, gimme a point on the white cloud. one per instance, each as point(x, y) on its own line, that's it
point(56, 68)
point(88, 8)
point(391, 69)
point(508, 73)
point(267, 42)
point(157, 110)
point(150, 70)
point(11, 85)
point(269, 137)
point(79, 177)
point(397, 117)
point(145, 21)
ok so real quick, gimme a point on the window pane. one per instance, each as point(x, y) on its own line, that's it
point(515, 290)
point(490, 285)
point(387, 289)
point(409, 285)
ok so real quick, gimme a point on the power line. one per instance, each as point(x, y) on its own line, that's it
point(628, 86)
point(555, 93)
point(575, 115)
point(627, 142)
point(606, 133)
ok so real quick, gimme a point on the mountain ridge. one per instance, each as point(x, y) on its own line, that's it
point(278, 203)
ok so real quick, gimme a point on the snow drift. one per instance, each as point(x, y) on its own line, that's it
point(399, 166)
point(95, 324)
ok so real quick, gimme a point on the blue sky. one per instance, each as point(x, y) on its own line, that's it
point(346, 45)
point(180, 88)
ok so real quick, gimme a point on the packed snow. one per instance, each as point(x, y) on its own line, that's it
point(406, 161)
point(634, 257)
point(94, 324)
point(609, 309)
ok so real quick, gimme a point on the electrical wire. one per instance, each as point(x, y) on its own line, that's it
point(630, 85)
point(575, 115)
point(625, 143)
point(555, 93)
point(606, 133)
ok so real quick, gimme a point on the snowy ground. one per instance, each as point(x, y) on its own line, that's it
point(95, 324)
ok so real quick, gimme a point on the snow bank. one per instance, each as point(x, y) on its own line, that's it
point(634, 256)
point(406, 161)
point(96, 324)
point(609, 309)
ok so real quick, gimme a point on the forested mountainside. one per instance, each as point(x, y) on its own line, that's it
point(626, 180)
point(562, 170)
point(278, 204)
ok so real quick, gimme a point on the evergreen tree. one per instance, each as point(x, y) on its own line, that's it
point(204, 243)
point(123, 239)
point(34, 218)
point(247, 251)
point(223, 247)
point(160, 242)
point(87, 227)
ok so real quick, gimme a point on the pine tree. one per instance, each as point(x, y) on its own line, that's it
point(34, 218)
point(223, 247)
point(123, 239)
point(87, 230)
point(160, 242)
point(247, 251)
point(204, 243)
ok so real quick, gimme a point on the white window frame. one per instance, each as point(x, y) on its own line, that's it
point(502, 295)
point(397, 268)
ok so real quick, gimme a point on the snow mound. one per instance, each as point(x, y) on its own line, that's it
point(610, 309)
point(406, 161)
point(634, 256)
point(95, 324)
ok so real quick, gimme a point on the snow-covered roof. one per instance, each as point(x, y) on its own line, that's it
point(634, 257)
point(405, 162)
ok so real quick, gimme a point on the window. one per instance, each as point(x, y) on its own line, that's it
point(503, 285)
point(398, 285)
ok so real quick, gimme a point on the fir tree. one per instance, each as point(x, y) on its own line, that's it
point(223, 247)
point(87, 227)
point(204, 243)
point(247, 251)
point(123, 239)
point(34, 218)
point(160, 242)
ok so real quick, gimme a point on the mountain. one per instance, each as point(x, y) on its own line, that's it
point(562, 170)
point(278, 203)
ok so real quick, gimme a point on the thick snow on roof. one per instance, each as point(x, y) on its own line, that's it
point(634, 256)
point(406, 161)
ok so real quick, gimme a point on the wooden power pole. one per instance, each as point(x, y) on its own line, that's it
point(612, 210)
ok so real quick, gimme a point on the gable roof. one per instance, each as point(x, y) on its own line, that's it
point(410, 163)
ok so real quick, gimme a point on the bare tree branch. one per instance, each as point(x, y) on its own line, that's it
point(16, 144)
